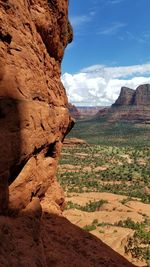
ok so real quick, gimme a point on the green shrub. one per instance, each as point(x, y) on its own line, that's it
point(89, 207)
point(89, 227)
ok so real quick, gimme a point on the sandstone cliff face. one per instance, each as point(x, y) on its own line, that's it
point(125, 97)
point(140, 96)
point(33, 114)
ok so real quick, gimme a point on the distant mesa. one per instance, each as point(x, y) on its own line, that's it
point(130, 106)
point(140, 96)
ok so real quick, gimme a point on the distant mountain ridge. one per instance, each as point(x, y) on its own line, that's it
point(131, 106)
point(88, 111)
point(81, 112)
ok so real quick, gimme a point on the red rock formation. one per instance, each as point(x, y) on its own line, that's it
point(138, 97)
point(33, 114)
point(125, 97)
point(131, 106)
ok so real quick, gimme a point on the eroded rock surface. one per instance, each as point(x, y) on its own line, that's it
point(33, 114)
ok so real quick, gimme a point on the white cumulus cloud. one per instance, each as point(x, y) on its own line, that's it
point(100, 85)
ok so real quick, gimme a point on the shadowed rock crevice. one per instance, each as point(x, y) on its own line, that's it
point(10, 146)
point(15, 170)
point(5, 37)
point(51, 151)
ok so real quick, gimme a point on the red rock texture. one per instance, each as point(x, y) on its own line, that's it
point(33, 114)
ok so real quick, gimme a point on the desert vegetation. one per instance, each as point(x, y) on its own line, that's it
point(89, 207)
point(138, 244)
point(113, 162)
point(118, 170)
point(98, 131)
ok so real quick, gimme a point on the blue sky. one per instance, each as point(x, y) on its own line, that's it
point(111, 48)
